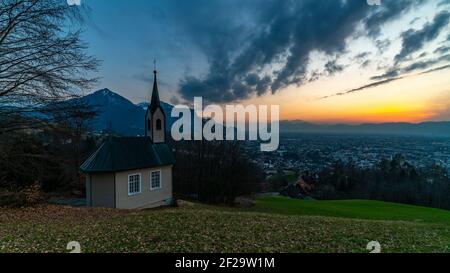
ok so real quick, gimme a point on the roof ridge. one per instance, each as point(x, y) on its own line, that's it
point(122, 154)
point(157, 154)
point(90, 159)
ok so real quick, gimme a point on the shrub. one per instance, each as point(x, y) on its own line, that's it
point(33, 194)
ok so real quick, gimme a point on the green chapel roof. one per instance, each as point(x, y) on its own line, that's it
point(128, 153)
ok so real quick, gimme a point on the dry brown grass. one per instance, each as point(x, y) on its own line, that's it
point(207, 229)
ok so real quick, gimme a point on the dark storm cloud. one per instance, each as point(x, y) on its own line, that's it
point(426, 64)
point(444, 67)
point(444, 3)
point(362, 59)
point(253, 52)
point(332, 67)
point(413, 67)
point(382, 45)
point(395, 72)
point(388, 74)
point(388, 11)
point(371, 85)
point(414, 40)
point(442, 50)
point(362, 56)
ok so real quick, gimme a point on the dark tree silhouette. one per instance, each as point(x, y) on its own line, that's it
point(42, 61)
point(391, 180)
point(215, 172)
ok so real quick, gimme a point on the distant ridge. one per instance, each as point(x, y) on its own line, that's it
point(121, 116)
point(432, 129)
point(118, 115)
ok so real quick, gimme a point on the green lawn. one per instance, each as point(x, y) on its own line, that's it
point(274, 225)
point(359, 209)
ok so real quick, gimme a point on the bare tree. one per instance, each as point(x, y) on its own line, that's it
point(220, 169)
point(42, 60)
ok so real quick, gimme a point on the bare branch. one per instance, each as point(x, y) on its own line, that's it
point(41, 62)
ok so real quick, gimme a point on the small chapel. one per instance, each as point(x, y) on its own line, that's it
point(133, 172)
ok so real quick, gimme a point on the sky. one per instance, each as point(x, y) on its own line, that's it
point(324, 61)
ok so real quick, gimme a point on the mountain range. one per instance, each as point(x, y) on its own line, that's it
point(121, 116)
point(431, 129)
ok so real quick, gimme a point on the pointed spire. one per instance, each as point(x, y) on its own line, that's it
point(155, 103)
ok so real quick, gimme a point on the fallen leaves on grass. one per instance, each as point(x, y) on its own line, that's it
point(205, 229)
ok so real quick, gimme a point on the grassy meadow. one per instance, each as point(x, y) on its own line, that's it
point(275, 224)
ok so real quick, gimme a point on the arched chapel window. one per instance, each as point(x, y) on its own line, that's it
point(158, 124)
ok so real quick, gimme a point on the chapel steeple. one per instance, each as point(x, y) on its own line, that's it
point(155, 103)
point(155, 118)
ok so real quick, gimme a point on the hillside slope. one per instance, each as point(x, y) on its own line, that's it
point(208, 229)
point(355, 209)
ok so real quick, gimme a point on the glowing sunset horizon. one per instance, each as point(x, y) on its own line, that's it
point(321, 61)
